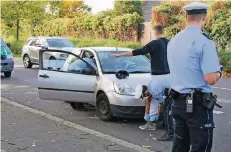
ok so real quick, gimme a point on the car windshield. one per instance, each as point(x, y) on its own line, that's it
point(60, 43)
point(133, 64)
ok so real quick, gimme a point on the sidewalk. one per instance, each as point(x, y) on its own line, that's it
point(23, 131)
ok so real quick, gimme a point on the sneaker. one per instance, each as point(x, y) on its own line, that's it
point(166, 137)
point(148, 126)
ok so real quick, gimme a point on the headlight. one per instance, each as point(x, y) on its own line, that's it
point(9, 56)
point(124, 89)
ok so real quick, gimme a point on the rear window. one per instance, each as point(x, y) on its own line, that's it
point(60, 43)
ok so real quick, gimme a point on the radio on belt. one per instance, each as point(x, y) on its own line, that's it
point(189, 103)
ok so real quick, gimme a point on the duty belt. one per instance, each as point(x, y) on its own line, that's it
point(207, 99)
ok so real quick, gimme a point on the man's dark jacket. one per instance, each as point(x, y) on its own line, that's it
point(158, 55)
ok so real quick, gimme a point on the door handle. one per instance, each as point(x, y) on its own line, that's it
point(44, 76)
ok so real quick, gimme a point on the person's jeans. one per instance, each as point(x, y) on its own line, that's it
point(168, 119)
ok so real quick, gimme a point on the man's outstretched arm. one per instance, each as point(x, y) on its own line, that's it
point(141, 51)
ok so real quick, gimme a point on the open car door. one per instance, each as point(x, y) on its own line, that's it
point(66, 79)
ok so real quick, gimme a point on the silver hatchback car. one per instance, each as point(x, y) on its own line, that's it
point(30, 51)
point(90, 75)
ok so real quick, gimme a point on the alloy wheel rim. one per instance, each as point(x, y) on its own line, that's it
point(103, 107)
point(26, 61)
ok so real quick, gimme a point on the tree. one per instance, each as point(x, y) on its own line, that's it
point(15, 11)
point(72, 9)
point(128, 7)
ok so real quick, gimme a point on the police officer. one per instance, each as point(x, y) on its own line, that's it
point(194, 67)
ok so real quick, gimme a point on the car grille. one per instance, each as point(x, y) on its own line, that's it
point(3, 57)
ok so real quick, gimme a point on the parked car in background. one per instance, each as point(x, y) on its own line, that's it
point(7, 61)
point(90, 75)
point(30, 51)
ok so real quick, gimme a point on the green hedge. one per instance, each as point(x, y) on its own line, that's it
point(102, 25)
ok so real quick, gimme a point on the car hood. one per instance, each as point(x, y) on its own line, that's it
point(133, 80)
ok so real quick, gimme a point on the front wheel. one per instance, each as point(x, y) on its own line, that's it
point(7, 74)
point(103, 110)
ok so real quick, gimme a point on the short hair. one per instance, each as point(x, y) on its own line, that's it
point(195, 17)
point(159, 29)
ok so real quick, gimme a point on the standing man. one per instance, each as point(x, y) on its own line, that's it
point(157, 49)
point(194, 67)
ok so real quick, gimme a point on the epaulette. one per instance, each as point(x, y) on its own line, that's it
point(207, 36)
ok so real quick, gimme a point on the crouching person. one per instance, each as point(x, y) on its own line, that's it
point(154, 94)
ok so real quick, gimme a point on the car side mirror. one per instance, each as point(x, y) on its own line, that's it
point(8, 44)
point(89, 71)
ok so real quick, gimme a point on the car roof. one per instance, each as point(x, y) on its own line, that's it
point(100, 49)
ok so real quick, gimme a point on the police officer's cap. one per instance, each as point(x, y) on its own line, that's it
point(196, 8)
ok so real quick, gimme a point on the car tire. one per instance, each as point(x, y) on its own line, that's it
point(103, 110)
point(27, 62)
point(77, 105)
point(7, 74)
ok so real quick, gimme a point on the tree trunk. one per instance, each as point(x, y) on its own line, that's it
point(121, 7)
point(17, 28)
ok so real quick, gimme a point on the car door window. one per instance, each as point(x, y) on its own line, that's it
point(32, 43)
point(71, 64)
point(37, 43)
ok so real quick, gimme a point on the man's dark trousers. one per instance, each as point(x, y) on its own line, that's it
point(195, 128)
point(168, 120)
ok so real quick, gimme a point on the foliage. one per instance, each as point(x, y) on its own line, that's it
point(170, 15)
point(72, 9)
point(127, 7)
point(225, 59)
point(218, 24)
point(123, 28)
point(105, 42)
point(15, 11)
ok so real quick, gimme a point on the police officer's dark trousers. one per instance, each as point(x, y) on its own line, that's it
point(168, 120)
point(195, 129)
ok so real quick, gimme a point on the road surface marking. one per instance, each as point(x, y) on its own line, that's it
point(79, 127)
point(222, 88)
point(218, 112)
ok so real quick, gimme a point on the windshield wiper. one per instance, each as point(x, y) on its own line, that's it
point(139, 72)
point(109, 72)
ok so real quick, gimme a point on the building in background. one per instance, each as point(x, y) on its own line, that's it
point(145, 29)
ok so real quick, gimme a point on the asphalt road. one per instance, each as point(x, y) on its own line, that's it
point(22, 88)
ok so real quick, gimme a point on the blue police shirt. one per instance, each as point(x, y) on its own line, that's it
point(191, 55)
point(157, 86)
